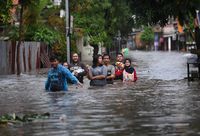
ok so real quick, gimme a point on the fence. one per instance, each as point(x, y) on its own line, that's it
point(32, 55)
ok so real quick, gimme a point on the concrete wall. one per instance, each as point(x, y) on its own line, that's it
point(86, 51)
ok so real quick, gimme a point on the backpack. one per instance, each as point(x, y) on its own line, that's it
point(56, 81)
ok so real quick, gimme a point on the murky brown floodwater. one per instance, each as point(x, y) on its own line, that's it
point(160, 103)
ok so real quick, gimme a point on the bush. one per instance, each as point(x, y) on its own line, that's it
point(46, 35)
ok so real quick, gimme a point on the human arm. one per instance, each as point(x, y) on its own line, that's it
point(85, 70)
point(112, 76)
point(70, 76)
point(99, 77)
point(135, 76)
point(103, 75)
point(119, 65)
point(90, 75)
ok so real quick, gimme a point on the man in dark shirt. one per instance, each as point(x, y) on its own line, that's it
point(110, 69)
point(78, 69)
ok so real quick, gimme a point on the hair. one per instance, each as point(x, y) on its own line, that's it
point(53, 58)
point(74, 53)
point(65, 62)
point(119, 54)
point(106, 55)
point(95, 60)
point(128, 60)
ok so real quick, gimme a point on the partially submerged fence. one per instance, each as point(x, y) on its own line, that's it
point(33, 55)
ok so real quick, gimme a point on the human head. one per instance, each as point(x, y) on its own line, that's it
point(54, 61)
point(106, 59)
point(75, 57)
point(127, 62)
point(65, 64)
point(120, 57)
point(97, 60)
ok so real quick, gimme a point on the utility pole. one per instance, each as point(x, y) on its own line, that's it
point(67, 15)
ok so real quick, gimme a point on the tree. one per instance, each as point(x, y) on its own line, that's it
point(5, 14)
point(101, 20)
point(23, 5)
point(98, 20)
point(147, 36)
point(31, 27)
point(88, 17)
point(159, 11)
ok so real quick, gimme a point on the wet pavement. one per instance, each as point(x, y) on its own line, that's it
point(160, 103)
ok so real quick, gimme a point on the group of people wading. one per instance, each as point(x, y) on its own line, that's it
point(101, 72)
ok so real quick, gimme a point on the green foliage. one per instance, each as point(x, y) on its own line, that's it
point(13, 118)
point(147, 35)
point(30, 31)
point(189, 30)
point(40, 23)
point(46, 35)
point(100, 20)
point(13, 33)
point(5, 6)
point(32, 24)
point(38, 33)
point(89, 17)
point(59, 48)
point(119, 17)
point(29, 3)
point(158, 11)
point(32, 11)
point(57, 23)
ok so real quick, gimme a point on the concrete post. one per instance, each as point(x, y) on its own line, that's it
point(169, 43)
point(67, 29)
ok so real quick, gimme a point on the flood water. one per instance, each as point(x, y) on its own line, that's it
point(160, 103)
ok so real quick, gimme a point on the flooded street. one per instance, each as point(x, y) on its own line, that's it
point(160, 103)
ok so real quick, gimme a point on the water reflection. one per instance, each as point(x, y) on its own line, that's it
point(159, 103)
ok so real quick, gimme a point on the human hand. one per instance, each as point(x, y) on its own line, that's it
point(75, 73)
point(79, 84)
point(120, 65)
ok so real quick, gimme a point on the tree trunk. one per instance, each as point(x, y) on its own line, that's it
point(20, 39)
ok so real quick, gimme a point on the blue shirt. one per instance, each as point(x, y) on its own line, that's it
point(62, 74)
